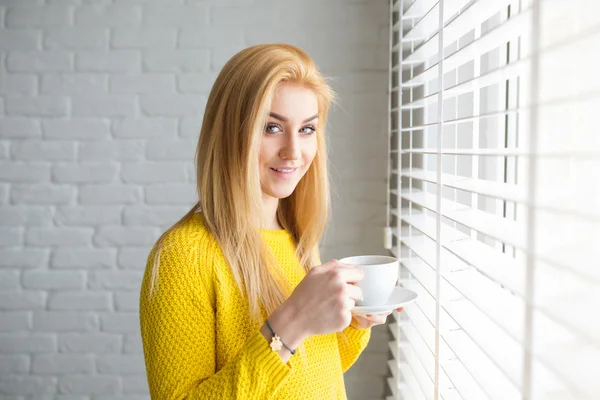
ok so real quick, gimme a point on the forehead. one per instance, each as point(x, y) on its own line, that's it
point(294, 101)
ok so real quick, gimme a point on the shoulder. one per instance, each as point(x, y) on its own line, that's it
point(187, 252)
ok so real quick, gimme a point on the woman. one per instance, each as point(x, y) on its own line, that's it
point(234, 288)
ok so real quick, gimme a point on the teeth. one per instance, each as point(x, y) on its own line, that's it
point(283, 170)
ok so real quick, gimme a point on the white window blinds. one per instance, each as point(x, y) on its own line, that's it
point(495, 198)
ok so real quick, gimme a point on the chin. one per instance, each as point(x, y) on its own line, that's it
point(281, 193)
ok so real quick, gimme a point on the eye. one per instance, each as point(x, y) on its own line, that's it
point(308, 129)
point(273, 128)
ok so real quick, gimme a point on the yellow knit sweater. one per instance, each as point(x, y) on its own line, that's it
point(200, 342)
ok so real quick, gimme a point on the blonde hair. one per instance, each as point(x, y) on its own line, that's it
point(228, 180)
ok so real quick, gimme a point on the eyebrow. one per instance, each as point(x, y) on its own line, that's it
point(284, 119)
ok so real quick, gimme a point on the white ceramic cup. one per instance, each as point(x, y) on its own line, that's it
point(381, 274)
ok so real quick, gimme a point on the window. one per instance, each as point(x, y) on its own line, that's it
point(494, 198)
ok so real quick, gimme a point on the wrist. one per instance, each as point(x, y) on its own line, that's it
point(288, 325)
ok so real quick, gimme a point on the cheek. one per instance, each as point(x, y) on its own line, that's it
point(311, 151)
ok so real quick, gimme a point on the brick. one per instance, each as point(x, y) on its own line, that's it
point(77, 258)
point(14, 364)
point(176, 15)
point(78, 83)
point(120, 323)
point(32, 17)
point(49, 280)
point(58, 236)
point(142, 84)
point(128, 301)
point(220, 56)
point(136, 385)
point(190, 127)
point(88, 216)
point(114, 61)
point(133, 344)
point(114, 150)
point(82, 384)
point(64, 321)
point(98, 343)
point(76, 128)
point(15, 321)
point(85, 173)
point(177, 61)
point(353, 35)
point(19, 3)
point(29, 258)
point(39, 61)
point(133, 257)
point(42, 194)
point(171, 150)
point(171, 194)
point(9, 280)
point(27, 343)
point(4, 150)
point(18, 85)
point(25, 300)
point(212, 36)
point(37, 150)
point(173, 105)
point(24, 172)
point(196, 83)
point(145, 128)
point(110, 194)
point(101, 16)
point(27, 385)
point(144, 38)
point(11, 237)
point(108, 236)
point(62, 364)
point(25, 216)
point(361, 82)
point(152, 216)
point(240, 15)
point(104, 106)
point(75, 38)
point(3, 193)
point(80, 301)
point(19, 128)
point(116, 280)
point(153, 172)
point(20, 39)
point(122, 364)
point(40, 106)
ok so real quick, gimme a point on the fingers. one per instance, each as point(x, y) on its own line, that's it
point(350, 303)
point(354, 292)
point(349, 274)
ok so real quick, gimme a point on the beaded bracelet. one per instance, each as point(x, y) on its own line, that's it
point(276, 341)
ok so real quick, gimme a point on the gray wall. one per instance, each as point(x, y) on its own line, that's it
point(101, 105)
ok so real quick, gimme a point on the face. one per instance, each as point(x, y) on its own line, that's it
point(289, 141)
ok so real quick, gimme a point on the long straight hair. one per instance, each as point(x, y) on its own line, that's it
point(228, 180)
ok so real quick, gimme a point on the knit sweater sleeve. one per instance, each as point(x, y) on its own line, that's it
point(352, 342)
point(178, 334)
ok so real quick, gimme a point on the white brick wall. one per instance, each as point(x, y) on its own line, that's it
point(101, 104)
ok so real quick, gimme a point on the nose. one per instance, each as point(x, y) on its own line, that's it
point(291, 148)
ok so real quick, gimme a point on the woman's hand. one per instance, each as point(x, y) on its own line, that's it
point(368, 321)
point(320, 304)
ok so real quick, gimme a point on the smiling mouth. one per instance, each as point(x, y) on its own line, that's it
point(285, 170)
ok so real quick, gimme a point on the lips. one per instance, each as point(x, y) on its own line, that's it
point(285, 170)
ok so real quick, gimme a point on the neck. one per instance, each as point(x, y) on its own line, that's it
point(270, 205)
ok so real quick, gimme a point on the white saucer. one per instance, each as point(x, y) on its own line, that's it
point(399, 298)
